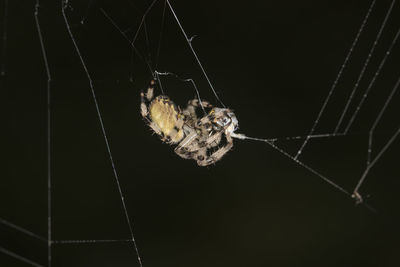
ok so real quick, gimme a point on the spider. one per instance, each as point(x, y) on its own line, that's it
point(205, 140)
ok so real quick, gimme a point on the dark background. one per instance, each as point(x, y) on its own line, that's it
point(273, 62)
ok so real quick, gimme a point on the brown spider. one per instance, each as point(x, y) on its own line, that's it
point(206, 139)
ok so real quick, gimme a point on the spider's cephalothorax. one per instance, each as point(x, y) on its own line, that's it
point(206, 139)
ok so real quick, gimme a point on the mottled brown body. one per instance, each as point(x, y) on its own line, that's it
point(164, 113)
point(204, 139)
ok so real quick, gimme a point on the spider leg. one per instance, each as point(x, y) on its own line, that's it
point(146, 99)
point(187, 147)
point(214, 140)
point(195, 103)
point(190, 112)
point(156, 129)
point(143, 107)
point(217, 155)
point(184, 80)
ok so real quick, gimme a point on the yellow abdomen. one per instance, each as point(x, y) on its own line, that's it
point(164, 114)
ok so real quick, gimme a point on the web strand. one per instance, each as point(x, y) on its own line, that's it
point(353, 117)
point(92, 241)
point(48, 100)
point(366, 63)
point(137, 34)
point(3, 72)
point(183, 80)
point(371, 133)
point(64, 5)
point(377, 120)
point(146, 35)
point(324, 178)
point(189, 42)
point(336, 81)
point(161, 34)
point(300, 137)
point(87, 11)
point(126, 38)
point(19, 257)
point(375, 160)
point(142, 24)
point(22, 230)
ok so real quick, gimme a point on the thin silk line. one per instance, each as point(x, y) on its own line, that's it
point(369, 167)
point(339, 75)
point(48, 100)
point(91, 241)
point(19, 257)
point(64, 4)
point(367, 60)
point(22, 230)
point(353, 117)
point(189, 42)
point(378, 118)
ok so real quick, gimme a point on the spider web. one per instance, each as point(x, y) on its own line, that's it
point(345, 136)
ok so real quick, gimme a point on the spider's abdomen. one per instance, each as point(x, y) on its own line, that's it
point(164, 113)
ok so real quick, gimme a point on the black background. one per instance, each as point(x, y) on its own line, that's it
point(273, 62)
